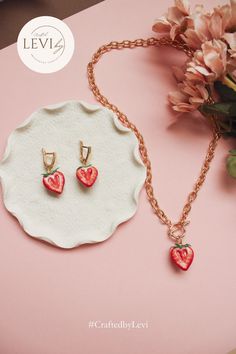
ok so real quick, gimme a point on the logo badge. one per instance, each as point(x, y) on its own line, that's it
point(45, 44)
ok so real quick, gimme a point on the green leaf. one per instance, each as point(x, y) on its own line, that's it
point(83, 166)
point(229, 76)
point(178, 245)
point(227, 127)
point(231, 165)
point(226, 93)
point(50, 173)
point(230, 134)
point(226, 108)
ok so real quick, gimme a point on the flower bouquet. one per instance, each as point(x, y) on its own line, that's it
point(207, 82)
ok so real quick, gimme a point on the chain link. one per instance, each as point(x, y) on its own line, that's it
point(176, 230)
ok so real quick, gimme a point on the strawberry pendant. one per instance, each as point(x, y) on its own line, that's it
point(54, 181)
point(182, 255)
point(87, 175)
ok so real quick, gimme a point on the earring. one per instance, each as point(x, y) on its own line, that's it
point(86, 174)
point(53, 180)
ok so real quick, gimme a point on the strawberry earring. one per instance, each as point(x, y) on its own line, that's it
point(86, 174)
point(53, 180)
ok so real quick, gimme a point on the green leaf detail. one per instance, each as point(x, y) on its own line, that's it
point(231, 78)
point(231, 165)
point(232, 152)
point(226, 93)
point(50, 173)
point(225, 108)
point(178, 245)
point(226, 124)
point(86, 166)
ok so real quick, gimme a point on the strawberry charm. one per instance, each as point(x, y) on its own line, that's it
point(182, 255)
point(86, 174)
point(53, 180)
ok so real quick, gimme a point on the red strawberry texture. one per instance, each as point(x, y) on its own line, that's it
point(54, 182)
point(87, 175)
point(182, 255)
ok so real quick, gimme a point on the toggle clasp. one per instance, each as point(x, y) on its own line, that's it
point(177, 231)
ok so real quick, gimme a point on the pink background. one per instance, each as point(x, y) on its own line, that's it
point(48, 295)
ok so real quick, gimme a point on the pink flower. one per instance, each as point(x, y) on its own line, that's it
point(215, 57)
point(207, 26)
point(231, 26)
point(191, 38)
point(213, 37)
point(197, 27)
point(219, 20)
point(189, 97)
point(206, 66)
point(176, 20)
point(231, 40)
point(231, 64)
point(197, 70)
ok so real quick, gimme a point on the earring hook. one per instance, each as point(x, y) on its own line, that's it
point(49, 159)
point(83, 148)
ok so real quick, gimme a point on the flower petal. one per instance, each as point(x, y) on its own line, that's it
point(215, 25)
point(178, 73)
point(194, 76)
point(175, 30)
point(226, 13)
point(201, 27)
point(215, 53)
point(203, 91)
point(231, 39)
point(202, 70)
point(183, 6)
point(177, 97)
point(197, 100)
point(232, 23)
point(161, 25)
point(184, 107)
point(174, 15)
point(199, 9)
point(191, 38)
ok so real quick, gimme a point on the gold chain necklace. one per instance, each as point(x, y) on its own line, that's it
point(181, 254)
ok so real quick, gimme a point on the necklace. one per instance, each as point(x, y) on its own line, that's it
point(181, 254)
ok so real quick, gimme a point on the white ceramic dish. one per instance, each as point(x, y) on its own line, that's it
point(79, 215)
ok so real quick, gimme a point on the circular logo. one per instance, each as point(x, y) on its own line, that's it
point(45, 44)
